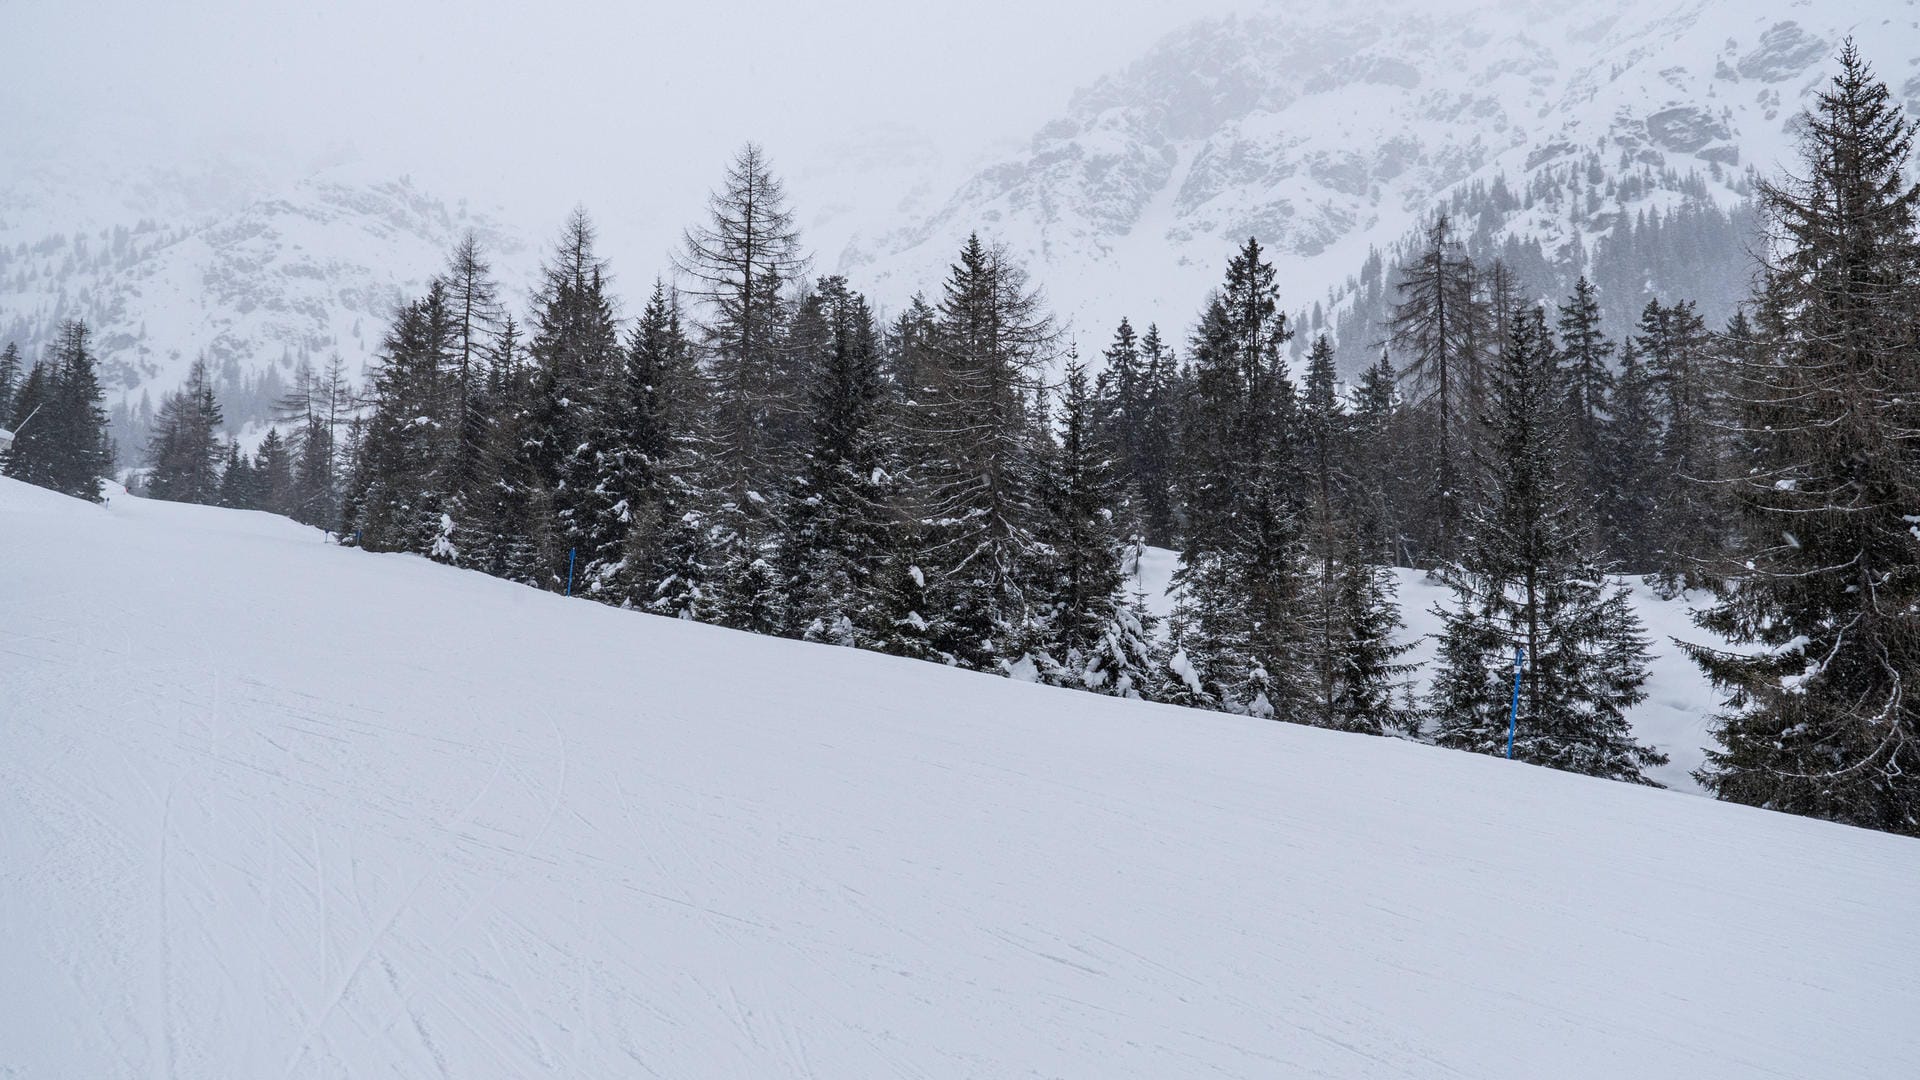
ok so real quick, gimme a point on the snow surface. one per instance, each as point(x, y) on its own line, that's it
point(272, 808)
point(1675, 718)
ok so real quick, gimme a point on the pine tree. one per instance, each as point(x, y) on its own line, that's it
point(1368, 676)
point(11, 376)
point(909, 349)
point(840, 526)
point(1586, 375)
point(183, 458)
point(1120, 407)
point(738, 264)
point(522, 545)
point(84, 453)
point(31, 457)
point(1348, 611)
point(400, 474)
point(1631, 483)
point(1677, 350)
point(576, 353)
point(977, 476)
point(1243, 565)
point(1092, 636)
point(273, 469)
point(1378, 466)
point(1821, 594)
point(1528, 580)
point(1154, 450)
point(239, 483)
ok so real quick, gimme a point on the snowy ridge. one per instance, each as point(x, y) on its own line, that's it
point(406, 821)
point(1326, 129)
point(1329, 130)
point(270, 278)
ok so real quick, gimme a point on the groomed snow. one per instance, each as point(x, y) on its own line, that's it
point(271, 808)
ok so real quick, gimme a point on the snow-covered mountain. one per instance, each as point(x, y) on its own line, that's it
point(1328, 130)
point(1331, 130)
point(251, 277)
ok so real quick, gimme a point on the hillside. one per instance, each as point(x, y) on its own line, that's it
point(1332, 131)
point(1327, 130)
point(274, 808)
point(254, 285)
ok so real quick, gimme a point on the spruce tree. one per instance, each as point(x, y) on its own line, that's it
point(1631, 481)
point(11, 376)
point(668, 565)
point(273, 469)
point(575, 349)
point(1349, 614)
point(977, 473)
point(400, 476)
point(1686, 523)
point(1821, 593)
point(521, 545)
point(840, 521)
point(1368, 678)
point(183, 457)
point(1323, 437)
point(1243, 564)
point(1154, 447)
point(239, 482)
point(909, 349)
point(83, 451)
point(906, 622)
point(1527, 579)
point(31, 457)
point(1119, 408)
point(1587, 378)
point(1093, 636)
point(1379, 466)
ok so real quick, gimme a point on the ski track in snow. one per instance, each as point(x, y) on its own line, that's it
point(270, 808)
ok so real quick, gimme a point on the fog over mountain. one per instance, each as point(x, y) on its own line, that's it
point(275, 197)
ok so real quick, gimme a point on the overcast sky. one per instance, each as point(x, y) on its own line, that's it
point(630, 108)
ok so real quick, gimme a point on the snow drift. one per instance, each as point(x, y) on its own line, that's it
point(273, 808)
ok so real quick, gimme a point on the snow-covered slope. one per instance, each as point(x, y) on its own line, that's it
point(1675, 718)
point(1329, 129)
point(274, 808)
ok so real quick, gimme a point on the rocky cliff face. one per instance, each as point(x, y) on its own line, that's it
point(1330, 131)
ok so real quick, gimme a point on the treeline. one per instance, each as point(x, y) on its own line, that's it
point(757, 449)
point(54, 410)
point(298, 474)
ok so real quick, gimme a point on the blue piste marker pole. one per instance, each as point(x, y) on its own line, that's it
point(570, 552)
point(1513, 714)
